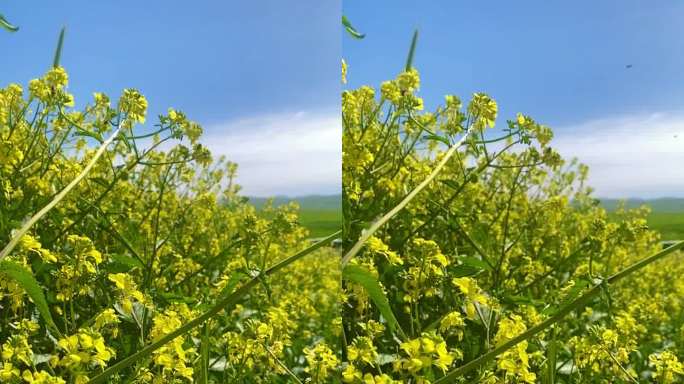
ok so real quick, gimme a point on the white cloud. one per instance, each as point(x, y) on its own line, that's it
point(629, 156)
point(292, 154)
point(300, 153)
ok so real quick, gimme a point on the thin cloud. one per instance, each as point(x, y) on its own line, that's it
point(629, 156)
point(293, 154)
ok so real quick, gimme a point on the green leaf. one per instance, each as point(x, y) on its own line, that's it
point(24, 278)
point(451, 184)
point(123, 263)
point(364, 278)
point(176, 298)
point(463, 270)
point(351, 30)
point(94, 135)
point(412, 50)
point(475, 262)
point(6, 24)
point(441, 139)
point(58, 51)
point(233, 281)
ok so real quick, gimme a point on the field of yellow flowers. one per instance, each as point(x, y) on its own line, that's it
point(483, 257)
point(151, 241)
point(470, 253)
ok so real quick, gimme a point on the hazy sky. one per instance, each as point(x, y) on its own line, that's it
point(261, 76)
point(562, 62)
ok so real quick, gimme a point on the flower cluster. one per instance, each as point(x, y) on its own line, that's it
point(506, 235)
point(153, 236)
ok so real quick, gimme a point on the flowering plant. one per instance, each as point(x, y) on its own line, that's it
point(151, 235)
point(471, 251)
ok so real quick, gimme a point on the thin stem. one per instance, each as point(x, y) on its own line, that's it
point(282, 365)
point(18, 235)
point(578, 303)
point(373, 228)
point(222, 304)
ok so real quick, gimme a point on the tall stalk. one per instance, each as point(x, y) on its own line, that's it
point(222, 304)
point(22, 231)
point(578, 303)
point(384, 219)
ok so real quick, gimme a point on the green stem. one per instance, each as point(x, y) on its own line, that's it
point(282, 365)
point(379, 223)
point(18, 235)
point(218, 307)
point(578, 303)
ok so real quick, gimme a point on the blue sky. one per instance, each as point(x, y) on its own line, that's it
point(260, 75)
point(563, 63)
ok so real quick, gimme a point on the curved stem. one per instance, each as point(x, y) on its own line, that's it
point(578, 303)
point(18, 235)
point(383, 220)
point(222, 304)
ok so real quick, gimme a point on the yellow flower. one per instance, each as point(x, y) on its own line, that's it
point(128, 288)
point(56, 77)
point(8, 372)
point(509, 327)
point(134, 105)
point(344, 72)
point(408, 81)
point(321, 360)
point(377, 246)
point(101, 100)
point(362, 349)
point(484, 109)
point(668, 368)
point(29, 242)
point(351, 374)
point(453, 320)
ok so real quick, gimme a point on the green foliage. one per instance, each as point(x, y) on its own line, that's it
point(320, 222)
point(478, 264)
point(24, 279)
point(225, 302)
point(134, 247)
point(358, 275)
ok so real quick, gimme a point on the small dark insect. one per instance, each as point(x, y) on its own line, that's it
point(628, 66)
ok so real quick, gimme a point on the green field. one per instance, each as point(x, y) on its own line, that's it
point(667, 214)
point(321, 215)
point(321, 222)
point(669, 224)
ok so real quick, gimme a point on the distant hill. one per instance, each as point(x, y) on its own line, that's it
point(659, 205)
point(310, 202)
